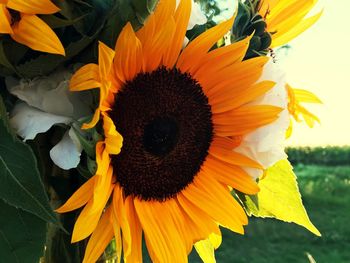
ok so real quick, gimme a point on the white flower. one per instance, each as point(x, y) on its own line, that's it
point(45, 102)
point(266, 144)
point(197, 16)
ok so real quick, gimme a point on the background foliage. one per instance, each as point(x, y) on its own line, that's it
point(331, 155)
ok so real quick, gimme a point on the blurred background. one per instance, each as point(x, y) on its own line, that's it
point(319, 61)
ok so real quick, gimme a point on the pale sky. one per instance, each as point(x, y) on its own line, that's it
point(319, 61)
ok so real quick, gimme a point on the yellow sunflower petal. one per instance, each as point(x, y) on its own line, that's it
point(159, 228)
point(237, 76)
point(113, 139)
point(306, 96)
point(154, 55)
point(128, 59)
point(135, 242)
point(93, 122)
point(105, 60)
point(79, 198)
point(201, 222)
point(90, 214)
point(220, 150)
point(230, 175)
point(295, 31)
point(100, 238)
point(87, 77)
point(244, 119)
point(157, 34)
point(220, 58)
point(103, 182)
point(117, 235)
point(5, 20)
point(212, 198)
point(33, 7)
point(234, 99)
point(182, 16)
point(191, 57)
point(34, 33)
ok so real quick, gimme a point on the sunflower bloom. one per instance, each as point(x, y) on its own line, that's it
point(286, 20)
point(295, 98)
point(19, 19)
point(171, 119)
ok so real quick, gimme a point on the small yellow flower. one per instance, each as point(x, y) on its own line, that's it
point(19, 19)
point(295, 98)
point(286, 20)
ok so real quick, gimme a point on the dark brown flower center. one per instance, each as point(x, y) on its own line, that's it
point(165, 120)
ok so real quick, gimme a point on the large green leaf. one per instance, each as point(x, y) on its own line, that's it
point(20, 182)
point(22, 235)
point(279, 197)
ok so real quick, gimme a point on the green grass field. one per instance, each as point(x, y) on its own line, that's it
point(326, 196)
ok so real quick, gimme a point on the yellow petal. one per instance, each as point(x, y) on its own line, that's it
point(294, 31)
point(113, 139)
point(34, 33)
point(79, 198)
point(306, 96)
point(237, 76)
point(220, 58)
point(87, 77)
point(117, 235)
point(93, 122)
point(182, 17)
point(244, 119)
point(212, 198)
point(233, 99)
point(5, 20)
point(205, 250)
point(135, 243)
point(191, 57)
point(100, 238)
point(105, 60)
point(163, 238)
point(128, 58)
point(90, 214)
point(33, 7)
point(157, 34)
point(220, 150)
point(230, 175)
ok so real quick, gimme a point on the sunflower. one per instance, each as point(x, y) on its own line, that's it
point(167, 171)
point(18, 19)
point(285, 19)
point(296, 109)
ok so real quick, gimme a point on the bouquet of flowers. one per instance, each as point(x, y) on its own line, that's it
point(131, 122)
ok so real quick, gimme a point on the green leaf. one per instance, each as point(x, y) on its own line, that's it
point(22, 235)
point(44, 64)
point(134, 11)
point(20, 182)
point(279, 197)
point(4, 60)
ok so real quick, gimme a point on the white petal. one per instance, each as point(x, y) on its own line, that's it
point(28, 121)
point(266, 144)
point(51, 94)
point(66, 154)
point(197, 15)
